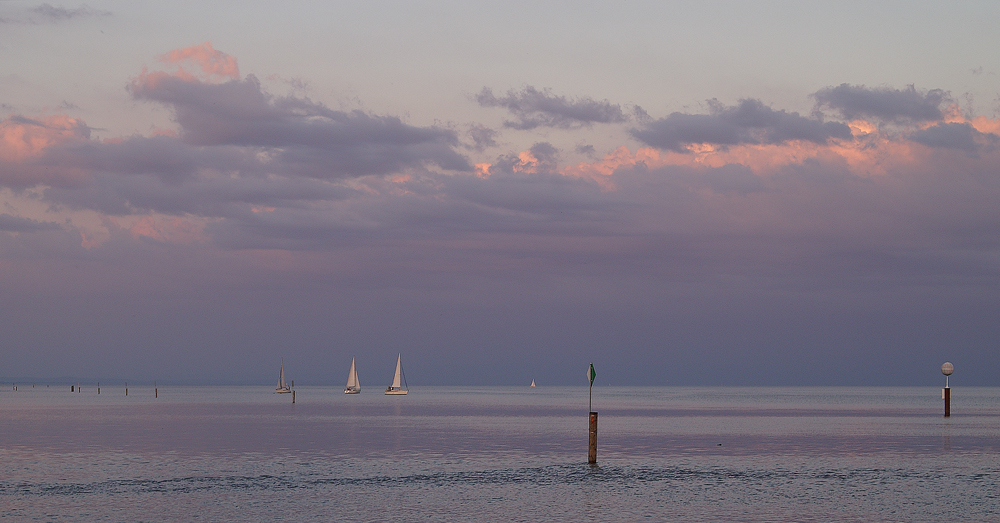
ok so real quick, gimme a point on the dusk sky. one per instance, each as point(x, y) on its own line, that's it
point(683, 193)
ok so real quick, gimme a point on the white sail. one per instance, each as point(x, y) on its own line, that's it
point(397, 379)
point(399, 370)
point(282, 386)
point(353, 383)
point(532, 383)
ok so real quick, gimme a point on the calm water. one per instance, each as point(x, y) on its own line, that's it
point(499, 454)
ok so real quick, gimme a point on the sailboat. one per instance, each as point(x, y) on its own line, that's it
point(532, 383)
point(353, 384)
point(282, 386)
point(396, 388)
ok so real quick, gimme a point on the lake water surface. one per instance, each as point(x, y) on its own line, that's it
point(499, 454)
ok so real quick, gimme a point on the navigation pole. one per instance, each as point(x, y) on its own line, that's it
point(592, 451)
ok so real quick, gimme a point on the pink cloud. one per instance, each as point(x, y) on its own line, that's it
point(25, 144)
point(170, 230)
point(871, 153)
point(23, 138)
point(211, 62)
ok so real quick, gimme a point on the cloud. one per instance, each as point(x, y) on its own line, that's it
point(748, 122)
point(11, 223)
point(299, 135)
point(251, 170)
point(962, 136)
point(886, 103)
point(749, 219)
point(237, 148)
point(482, 137)
point(26, 142)
point(212, 63)
point(47, 13)
point(542, 157)
point(534, 108)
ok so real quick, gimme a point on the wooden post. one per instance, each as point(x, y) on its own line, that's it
point(156, 391)
point(293, 396)
point(126, 389)
point(947, 401)
point(592, 453)
point(72, 388)
point(98, 387)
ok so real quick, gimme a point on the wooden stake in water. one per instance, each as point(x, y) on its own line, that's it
point(592, 448)
point(947, 368)
point(156, 391)
point(293, 396)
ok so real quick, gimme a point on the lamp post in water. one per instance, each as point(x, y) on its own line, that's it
point(592, 451)
point(947, 368)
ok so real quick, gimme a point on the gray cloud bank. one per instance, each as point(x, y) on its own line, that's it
point(308, 137)
point(540, 108)
point(48, 14)
point(731, 276)
point(748, 122)
point(885, 103)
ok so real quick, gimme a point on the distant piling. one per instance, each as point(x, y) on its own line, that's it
point(947, 368)
point(293, 396)
point(126, 388)
point(592, 451)
point(156, 391)
point(72, 388)
point(98, 387)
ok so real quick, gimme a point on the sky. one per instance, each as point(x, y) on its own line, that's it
point(683, 193)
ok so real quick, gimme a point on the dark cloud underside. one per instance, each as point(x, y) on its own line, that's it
point(534, 108)
point(17, 224)
point(303, 136)
point(748, 122)
point(960, 136)
point(858, 101)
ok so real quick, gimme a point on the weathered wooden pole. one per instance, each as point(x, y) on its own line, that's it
point(947, 368)
point(293, 396)
point(156, 391)
point(126, 388)
point(98, 387)
point(947, 402)
point(592, 448)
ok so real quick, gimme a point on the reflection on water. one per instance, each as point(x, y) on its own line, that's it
point(513, 454)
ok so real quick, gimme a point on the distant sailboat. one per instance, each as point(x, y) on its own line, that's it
point(353, 384)
point(532, 383)
point(282, 386)
point(398, 388)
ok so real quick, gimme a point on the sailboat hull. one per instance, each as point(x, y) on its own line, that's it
point(396, 392)
point(352, 391)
